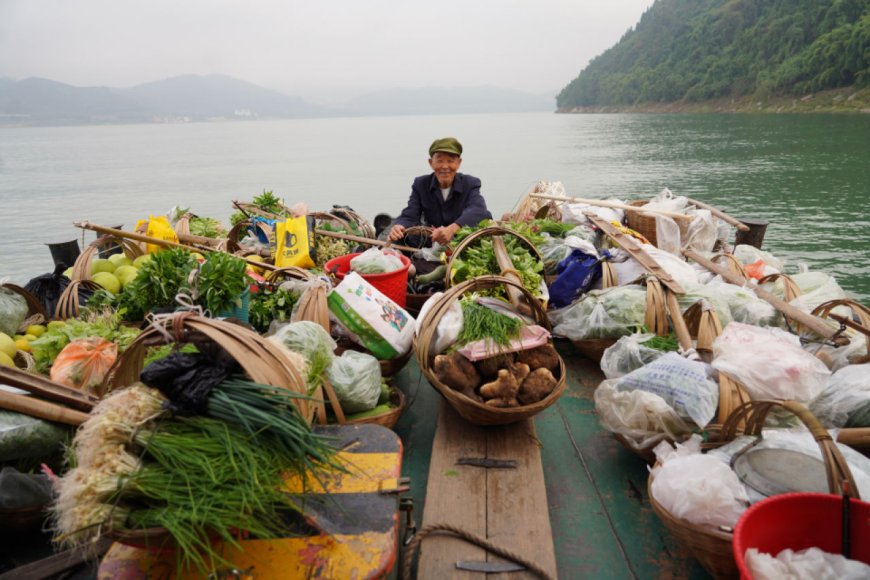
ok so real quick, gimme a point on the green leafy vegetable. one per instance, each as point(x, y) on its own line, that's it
point(480, 323)
point(159, 280)
point(221, 281)
point(105, 325)
point(271, 304)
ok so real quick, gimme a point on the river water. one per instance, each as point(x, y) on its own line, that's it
point(808, 175)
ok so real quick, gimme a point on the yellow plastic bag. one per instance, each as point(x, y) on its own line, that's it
point(295, 239)
point(156, 227)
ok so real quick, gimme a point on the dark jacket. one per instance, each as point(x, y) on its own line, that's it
point(464, 205)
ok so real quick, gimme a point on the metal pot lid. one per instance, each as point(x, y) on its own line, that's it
point(774, 471)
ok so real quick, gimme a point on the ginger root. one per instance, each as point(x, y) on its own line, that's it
point(458, 373)
point(489, 367)
point(544, 356)
point(536, 387)
point(502, 392)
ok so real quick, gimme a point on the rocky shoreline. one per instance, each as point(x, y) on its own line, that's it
point(847, 100)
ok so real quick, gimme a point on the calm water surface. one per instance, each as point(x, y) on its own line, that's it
point(807, 174)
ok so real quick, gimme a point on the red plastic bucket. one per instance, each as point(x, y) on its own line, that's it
point(394, 285)
point(800, 521)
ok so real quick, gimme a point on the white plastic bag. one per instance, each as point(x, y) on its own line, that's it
point(449, 326)
point(682, 383)
point(575, 213)
point(356, 379)
point(747, 254)
point(375, 261)
point(627, 355)
point(845, 402)
point(668, 236)
point(607, 313)
point(13, 311)
point(809, 563)
point(817, 288)
point(696, 487)
point(703, 231)
point(642, 418)
point(680, 270)
point(627, 269)
point(769, 362)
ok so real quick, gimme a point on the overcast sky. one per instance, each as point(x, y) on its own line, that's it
point(323, 50)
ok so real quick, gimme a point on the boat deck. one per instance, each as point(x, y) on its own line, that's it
point(602, 522)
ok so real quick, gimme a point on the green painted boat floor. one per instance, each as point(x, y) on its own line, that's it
point(603, 524)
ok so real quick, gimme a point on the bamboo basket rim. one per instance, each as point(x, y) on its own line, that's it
point(790, 287)
point(326, 216)
point(68, 305)
point(713, 547)
point(858, 310)
point(734, 266)
point(386, 419)
point(645, 223)
point(474, 411)
point(262, 360)
point(34, 306)
point(488, 231)
point(367, 229)
point(82, 266)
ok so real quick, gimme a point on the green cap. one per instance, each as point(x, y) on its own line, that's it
point(445, 145)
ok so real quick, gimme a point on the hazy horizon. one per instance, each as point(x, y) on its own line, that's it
point(327, 53)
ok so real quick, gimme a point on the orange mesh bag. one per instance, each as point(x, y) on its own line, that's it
point(84, 362)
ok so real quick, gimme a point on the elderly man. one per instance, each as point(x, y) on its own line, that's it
point(445, 199)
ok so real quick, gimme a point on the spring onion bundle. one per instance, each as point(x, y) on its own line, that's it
point(480, 323)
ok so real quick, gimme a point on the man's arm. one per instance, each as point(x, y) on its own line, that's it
point(410, 216)
point(475, 210)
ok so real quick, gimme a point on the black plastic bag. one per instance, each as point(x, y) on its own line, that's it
point(47, 288)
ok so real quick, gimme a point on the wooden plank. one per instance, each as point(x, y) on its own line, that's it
point(635, 248)
point(613, 204)
point(455, 495)
point(517, 514)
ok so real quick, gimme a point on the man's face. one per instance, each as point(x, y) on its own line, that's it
point(445, 166)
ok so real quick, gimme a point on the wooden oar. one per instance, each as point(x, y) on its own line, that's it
point(41, 409)
point(47, 389)
point(367, 241)
point(809, 321)
point(720, 214)
point(86, 225)
point(635, 249)
point(613, 204)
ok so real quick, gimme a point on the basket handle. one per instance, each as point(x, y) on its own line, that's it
point(487, 231)
point(790, 287)
point(734, 265)
point(655, 318)
point(858, 310)
point(754, 413)
point(320, 405)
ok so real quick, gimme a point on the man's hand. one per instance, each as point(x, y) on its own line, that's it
point(444, 234)
point(397, 232)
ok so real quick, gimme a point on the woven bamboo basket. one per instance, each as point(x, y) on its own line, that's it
point(858, 311)
point(414, 302)
point(36, 313)
point(712, 548)
point(68, 305)
point(263, 361)
point(734, 266)
point(364, 226)
point(389, 367)
point(387, 419)
point(485, 232)
point(645, 224)
point(704, 326)
point(474, 411)
point(790, 289)
point(655, 319)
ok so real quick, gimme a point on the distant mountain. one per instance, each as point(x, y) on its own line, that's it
point(442, 100)
point(696, 50)
point(191, 97)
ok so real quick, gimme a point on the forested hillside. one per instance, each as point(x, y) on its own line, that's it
point(695, 50)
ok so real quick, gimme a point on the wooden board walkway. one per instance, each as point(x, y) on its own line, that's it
point(507, 506)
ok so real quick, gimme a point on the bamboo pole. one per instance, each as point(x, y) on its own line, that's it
point(613, 204)
point(809, 321)
point(857, 437)
point(41, 409)
point(86, 225)
point(680, 328)
point(361, 240)
point(508, 271)
point(46, 388)
point(720, 214)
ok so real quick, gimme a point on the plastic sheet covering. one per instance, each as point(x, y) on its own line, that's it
point(449, 326)
point(703, 231)
point(838, 357)
point(356, 379)
point(845, 402)
point(607, 313)
point(13, 311)
point(682, 383)
point(680, 270)
point(26, 437)
point(375, 261)
point(743, 304)
point(553, 250)
point(747, 254)
point(809, 563)
point(642, 418)
point(627, 355)
point(696, 487)
point(575, 213)
point(22, 490)
point(769, 362)
point(817, 288)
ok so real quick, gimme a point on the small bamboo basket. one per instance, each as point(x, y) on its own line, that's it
point(263, 361)
point(733, 265)
point(68, 305)
point(858, 311)
point(712, 548)
point(36, 313)
point(387, 419)
point(645, 224)
point(364, 226)
point(655, 319)
point(474, 411)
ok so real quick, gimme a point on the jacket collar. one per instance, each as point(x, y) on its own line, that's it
point(458, 184)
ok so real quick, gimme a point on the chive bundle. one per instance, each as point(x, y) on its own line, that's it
point(480, 323)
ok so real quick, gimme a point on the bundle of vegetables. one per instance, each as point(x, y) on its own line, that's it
point(266, 202)
point(221, 280)
point(479, 260)
point(199, 226)
point(271, 304)
point(59, 334)
point(159, 280)
point(200, 478)
point(326, 247)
